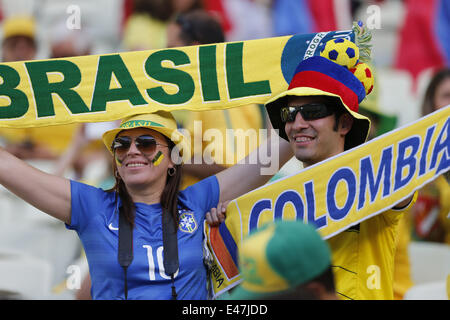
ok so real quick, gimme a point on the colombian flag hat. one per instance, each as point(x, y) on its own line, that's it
point(321, 76)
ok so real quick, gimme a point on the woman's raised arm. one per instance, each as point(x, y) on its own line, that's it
point(48, 193)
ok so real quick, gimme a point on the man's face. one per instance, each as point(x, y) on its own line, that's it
point(315, 140)
point(18, 48)
point(173, 36)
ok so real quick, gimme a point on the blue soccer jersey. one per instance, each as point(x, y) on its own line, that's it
point(96, 221)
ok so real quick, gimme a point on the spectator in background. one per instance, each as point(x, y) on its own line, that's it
point(19, 44)
point(19, 39)
point(285, 260)
point(184, 6)
point(433, 204)
point(69, 43)
point(22, 228)
point(194, 28)
point(145, 29)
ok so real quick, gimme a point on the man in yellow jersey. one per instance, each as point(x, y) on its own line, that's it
point(318, 115)
point(208, 129)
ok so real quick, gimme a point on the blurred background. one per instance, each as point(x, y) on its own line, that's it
point(411, 42)
point(409, 38)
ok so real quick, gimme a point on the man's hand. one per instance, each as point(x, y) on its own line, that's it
point(217, 215)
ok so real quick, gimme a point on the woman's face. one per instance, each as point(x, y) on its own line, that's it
point(136, 167)
point(442, 95)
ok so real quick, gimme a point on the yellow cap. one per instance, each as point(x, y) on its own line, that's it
point(160, 121)
point(19, 26)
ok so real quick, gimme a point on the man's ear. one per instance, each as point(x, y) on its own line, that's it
point(345, 123)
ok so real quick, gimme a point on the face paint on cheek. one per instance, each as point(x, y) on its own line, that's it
point(118, 161)
point(157, 159)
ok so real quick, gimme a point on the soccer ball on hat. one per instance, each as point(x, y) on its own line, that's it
point(341, 51)
point(364, 74)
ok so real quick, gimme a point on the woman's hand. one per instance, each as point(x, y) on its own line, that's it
point(217, 215)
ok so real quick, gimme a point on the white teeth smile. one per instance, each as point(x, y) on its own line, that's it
point(136, 165)
point(302, 139)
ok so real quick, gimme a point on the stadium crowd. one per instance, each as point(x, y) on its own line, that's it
point(41, 259)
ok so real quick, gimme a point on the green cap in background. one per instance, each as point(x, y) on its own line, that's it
point(278, 257)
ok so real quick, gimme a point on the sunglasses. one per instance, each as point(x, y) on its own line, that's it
point(145, 144)
point(310, 111)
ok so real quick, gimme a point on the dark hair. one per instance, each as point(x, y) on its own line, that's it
point(199, 26)
point(169, 197)
point(338, 112)
point(326, 279)
point(31, 41)
point(338, 109)
point(428, 104)
point(159, 9)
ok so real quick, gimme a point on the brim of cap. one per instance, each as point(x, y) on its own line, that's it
point(173, 135)
point(357, 135)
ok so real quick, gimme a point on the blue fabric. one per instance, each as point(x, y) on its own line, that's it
point(95, 219)
point(291, 17)
point(442, 26)
point(335, 71)
point(302, 46)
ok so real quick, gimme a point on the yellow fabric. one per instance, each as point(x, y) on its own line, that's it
point(109, 87)
point(402, 266)
point(55, 138)
point(363, 261)
point(245, 118)
point(160, 121)
point(262, 278)
point(19, 26)
point(142, 32)
point(444, 199)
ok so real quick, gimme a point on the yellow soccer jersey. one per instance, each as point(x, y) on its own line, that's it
point(363, 257)
point(402, 269)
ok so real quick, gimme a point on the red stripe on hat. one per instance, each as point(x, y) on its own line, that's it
point(223, 255)
point(318, 80)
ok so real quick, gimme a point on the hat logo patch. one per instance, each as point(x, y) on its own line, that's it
point(140, 123)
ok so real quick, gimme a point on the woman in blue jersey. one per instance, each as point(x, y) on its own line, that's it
point(146, 190)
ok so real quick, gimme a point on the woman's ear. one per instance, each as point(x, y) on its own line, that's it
point(345, 123)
